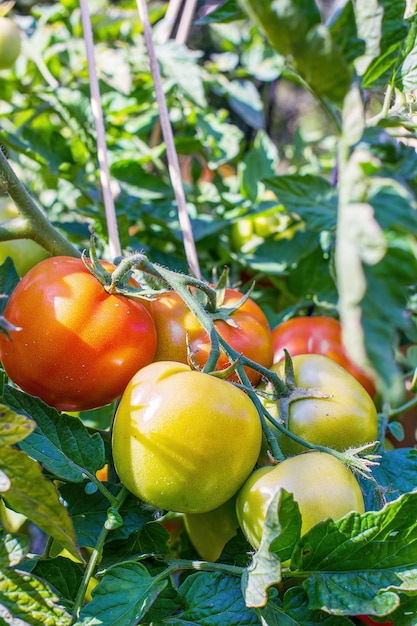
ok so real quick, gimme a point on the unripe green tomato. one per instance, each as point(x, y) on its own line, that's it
point(209, 532)
point(10, 43)
point(184, 440)
point(25, 253)
point(345, 416)
point(322, 486)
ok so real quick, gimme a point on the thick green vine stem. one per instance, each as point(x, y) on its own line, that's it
point(33, 223)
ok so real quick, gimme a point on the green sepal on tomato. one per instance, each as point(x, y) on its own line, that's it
point(326, 407)
point(317, 335)
point(322, 486)
point(248, 332)
point(183, 440)
point(76, 346)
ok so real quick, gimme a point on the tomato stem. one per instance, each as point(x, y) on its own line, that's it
point(94, 558)
point(35, 225)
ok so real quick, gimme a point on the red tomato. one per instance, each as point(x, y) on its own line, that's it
point(250, 335)
point(317, 335)
point(77, 346)
point(365, 619)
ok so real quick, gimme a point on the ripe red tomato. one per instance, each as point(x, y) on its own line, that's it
point(77, 346)
point(317, 335)
point(250, 335)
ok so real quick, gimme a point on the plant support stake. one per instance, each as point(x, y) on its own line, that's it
point(173, 162)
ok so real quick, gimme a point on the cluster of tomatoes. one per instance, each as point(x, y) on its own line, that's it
point(183, 440)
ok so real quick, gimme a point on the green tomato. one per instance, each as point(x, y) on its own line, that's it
point(25, 253)
point(209, 532)
point(184, 440)
point(322, 486)
point(344, 416)
point(10, 43)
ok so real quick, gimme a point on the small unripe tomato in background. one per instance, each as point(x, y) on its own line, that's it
point(10, 43)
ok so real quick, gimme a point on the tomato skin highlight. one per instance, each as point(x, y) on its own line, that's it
point(183, 440)
point(344, 417)
point(321, 484)
point(78, 346)
point(251, 335)
point(317, 335)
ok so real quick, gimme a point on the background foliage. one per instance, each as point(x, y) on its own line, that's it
point(295, 131)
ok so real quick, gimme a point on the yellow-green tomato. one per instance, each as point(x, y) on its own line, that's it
point(337, 411)
point(10, 43)
point(184, 440)
point(322, 486)
point(209, 532)
point(25, 253)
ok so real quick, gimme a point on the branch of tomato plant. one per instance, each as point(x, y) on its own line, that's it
point(175, 565)
point(179, 283)
point(90, 569)
point(33, 224)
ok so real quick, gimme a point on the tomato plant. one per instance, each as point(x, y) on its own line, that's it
point(333, 409)
point(25, 253)
point(75, 346)
point(10, 43)
point(247, 331)
point(183, 440)
point(294, 127)
point(321, 484)
point(317, 335)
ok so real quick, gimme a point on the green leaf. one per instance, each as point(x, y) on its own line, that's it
point(312, 198)
point(295, 611)
point(381, 25)
point(60, 442)
point(258, 164)
point(213, 599)
point(361, 563)
point(228, 11)
point(89, 513)
point(123, 596)
point(31, 494)
point(221, 141)
point(61, 573)
point(342, 26)
point(181, 65)
point(391, 483)
point(406, 74)
point(8, 281)
point(284, 22)
point(278, 541)
point(322, 65)
point(31, 600)
point(245, 100)
point(13, 427)
point(13, 548)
